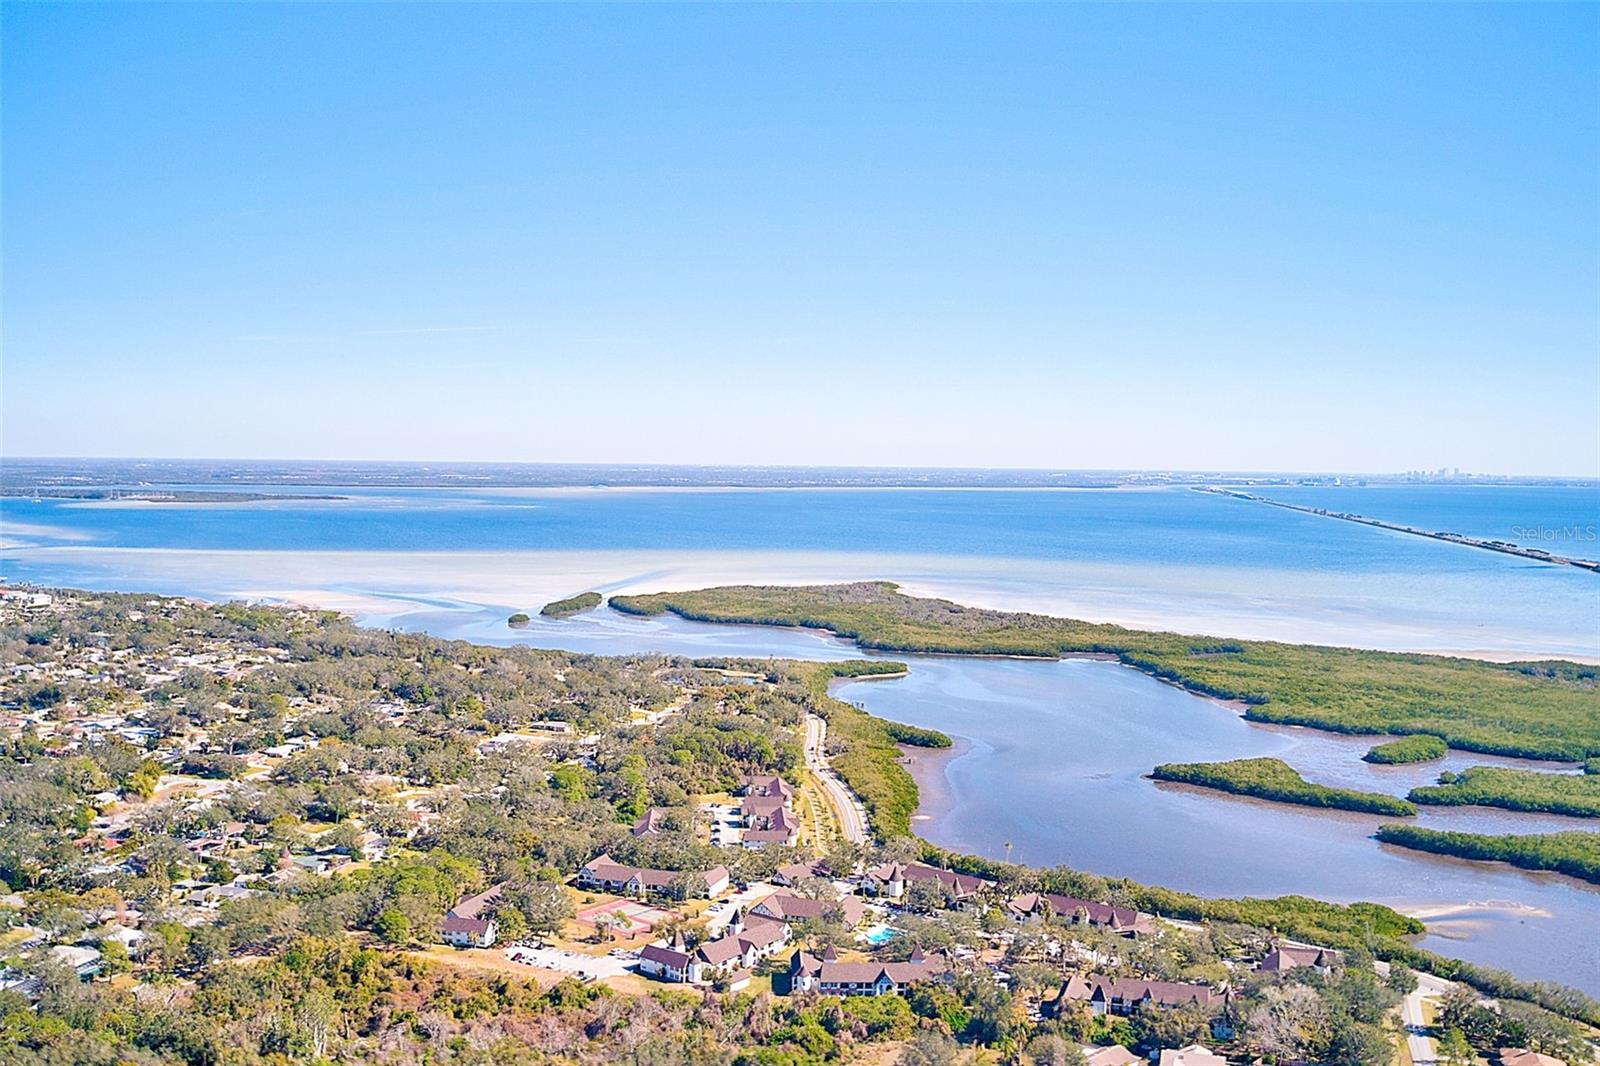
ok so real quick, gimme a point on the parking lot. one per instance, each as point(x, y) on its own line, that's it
point(727, 830)
point(579, 965)
point(718, 913)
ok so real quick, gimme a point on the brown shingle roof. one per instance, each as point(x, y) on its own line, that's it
point(1289, 958)
point(959, 884)
point(473, 906)
point(1088, 987)
point(665, 956)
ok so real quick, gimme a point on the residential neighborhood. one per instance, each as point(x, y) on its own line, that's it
point(248, 783)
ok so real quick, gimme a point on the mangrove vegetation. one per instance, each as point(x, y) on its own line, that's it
point(1575, 854)
point(571, 605)
point(1274, 779)
point(1424, 747)
point(1547, 710)
point(1577, 795)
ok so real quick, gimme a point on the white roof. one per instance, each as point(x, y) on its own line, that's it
point(1193, 1055)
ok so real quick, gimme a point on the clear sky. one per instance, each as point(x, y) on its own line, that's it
point(1242, 236)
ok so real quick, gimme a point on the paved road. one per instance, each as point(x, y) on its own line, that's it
point(852, 818)
point(1424, 1050)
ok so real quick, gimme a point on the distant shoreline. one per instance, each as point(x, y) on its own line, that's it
point(154, 495)
point(29, 472)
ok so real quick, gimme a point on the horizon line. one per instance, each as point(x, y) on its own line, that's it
point(877, 467)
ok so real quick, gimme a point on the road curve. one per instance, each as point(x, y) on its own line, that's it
point(852, 817)
point(1424, 1050)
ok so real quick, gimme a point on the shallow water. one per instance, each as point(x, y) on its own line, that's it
point(1052, 754)
point(1051, 758)
point(1169, 558)
point(1052, 762)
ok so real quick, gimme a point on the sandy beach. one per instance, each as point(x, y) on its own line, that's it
point(385, 587)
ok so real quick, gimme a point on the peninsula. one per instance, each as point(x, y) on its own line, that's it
point(1274, 779)
point(1543, 710)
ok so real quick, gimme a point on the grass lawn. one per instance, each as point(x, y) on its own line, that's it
point(819, 827)
point(1402, 1046)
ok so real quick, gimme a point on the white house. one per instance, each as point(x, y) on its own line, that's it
point(468, 932)
point(84, 961)
point(470, 923)
point(1193, 1055)
point(738, 949)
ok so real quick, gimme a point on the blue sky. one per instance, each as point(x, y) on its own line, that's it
point(1286, 236)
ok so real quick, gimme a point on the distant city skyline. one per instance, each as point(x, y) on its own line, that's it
point(1302, 238)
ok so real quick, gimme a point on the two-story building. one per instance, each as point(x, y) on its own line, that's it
point(826, 975)
point(470, 923)
point(745, 942)
point(607, 875)
point(1124, 995)
point(1124, 921)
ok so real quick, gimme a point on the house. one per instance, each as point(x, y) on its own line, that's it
point(374, 846)
point(652, 824)
point(606, 874)
point(790, 907)
point(962, 887)
point(886, 879)
point(741, 947)
point(468, 932)
point(758, 811)
point(475, 906)
point(213, 896)
point(781, 828)
point(830, 977)
point(1193, 1055)
point(795, 872)
point(131, 939)
point(765, 815)
point(768, 786)
point(666, 962)
point(1281, 959)
point(745, 943)
point(1111, 1055)
point(1124, 995)
point(323, 865)
point(470, 923)
point(1124, 921)
point(84, 961)
point(1518, 1056)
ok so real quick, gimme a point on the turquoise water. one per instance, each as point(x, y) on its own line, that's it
point(1561, 520)
point(1165, 558)
point(1052, 755)
point(879, 936)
